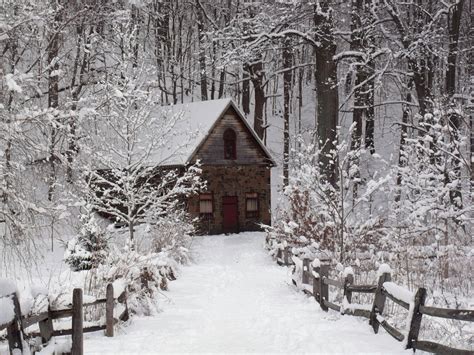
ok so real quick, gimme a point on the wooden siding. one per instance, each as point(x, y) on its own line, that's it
point(249, 152)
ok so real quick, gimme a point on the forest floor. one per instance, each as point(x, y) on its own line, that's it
point(233, 298)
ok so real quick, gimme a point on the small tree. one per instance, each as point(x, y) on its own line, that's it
point(89, 247)
point(172, 234)
point(331, 218)
point(129, 143)
point(426, 214)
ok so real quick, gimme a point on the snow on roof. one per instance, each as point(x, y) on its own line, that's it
point(193, 122)
point(161, 135)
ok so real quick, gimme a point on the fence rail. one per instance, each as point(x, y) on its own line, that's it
point(16, 327)
point(318, 277)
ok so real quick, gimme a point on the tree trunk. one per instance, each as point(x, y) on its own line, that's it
point(454, 119)
point(80, 67)
point(454, 26)
point(136, 28)
point(362, 41)
point(221, 83)
point(213, 71)
point(245, 89)
point(202, 54)
point(256, 76)
point(53, 94)
point(403, 136)
point(326, 91)
point(7, 171)
point(287, 81)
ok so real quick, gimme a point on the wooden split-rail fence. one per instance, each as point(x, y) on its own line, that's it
point(16, 328)
point(315, 281)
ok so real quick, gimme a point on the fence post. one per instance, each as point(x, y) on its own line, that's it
point(316, 289)
point(14, 330)
point(46, 325)
point(286, 256)
point(279, 257)
point(379, 301)
point(46, 328)
point(348, 281)
point(123, 299)
point(415, 322)
point(77, 323)
point(323, 288)
point(306, 272)
point(109, 311)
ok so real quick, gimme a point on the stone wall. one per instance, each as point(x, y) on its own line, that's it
point(234, 181)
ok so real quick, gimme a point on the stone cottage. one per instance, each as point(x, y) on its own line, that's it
point(234, 162)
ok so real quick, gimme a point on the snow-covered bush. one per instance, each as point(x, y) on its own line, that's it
point(429, 220)
point(415, 215)
point(144, 274)
point(172, 234)
point(86, 250)
point(337, 221)
point(146, 264)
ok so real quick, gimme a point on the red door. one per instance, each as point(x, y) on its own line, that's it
point(230, 209)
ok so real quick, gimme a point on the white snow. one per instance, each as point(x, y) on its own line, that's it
point(12, 84)
point(6, 310)
point(7, 287)
point(57, 345)
point(399, 292)
point(348, 271)
point(235, 299)
point(119, 287)
point(316, 263)
point(64, 301)
point(353, 306)
point(383, 269)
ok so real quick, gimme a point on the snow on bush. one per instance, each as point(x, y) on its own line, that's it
point(144, 274)
point(413, 213)
point(172, 233)
point(324, 220)
point(89, 247)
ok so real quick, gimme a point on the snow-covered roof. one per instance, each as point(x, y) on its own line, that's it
point(192, 123)
point(158, 135)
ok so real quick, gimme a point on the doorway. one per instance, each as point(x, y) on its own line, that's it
point(230, 208)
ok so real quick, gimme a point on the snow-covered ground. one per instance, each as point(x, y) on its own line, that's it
point(235, 299)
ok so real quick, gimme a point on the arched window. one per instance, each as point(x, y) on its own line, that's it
point(230, 151)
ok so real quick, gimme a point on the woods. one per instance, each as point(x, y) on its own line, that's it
point(365, 105)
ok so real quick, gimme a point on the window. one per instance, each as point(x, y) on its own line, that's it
point(251, 205)
point(229, 144)
point(205, 204)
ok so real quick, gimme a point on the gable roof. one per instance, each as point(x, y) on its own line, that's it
point(194, 122)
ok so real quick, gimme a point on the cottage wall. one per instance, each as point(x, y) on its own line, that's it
point(234, 181)
point(248, 151)
point(248, 173)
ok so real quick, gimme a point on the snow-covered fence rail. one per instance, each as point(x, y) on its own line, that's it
point(313, 278)
point(16, 324)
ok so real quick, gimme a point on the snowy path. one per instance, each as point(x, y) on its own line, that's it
point(236, 299)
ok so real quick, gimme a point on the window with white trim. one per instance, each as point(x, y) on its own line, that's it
point(251, 204)
point(205, 204)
